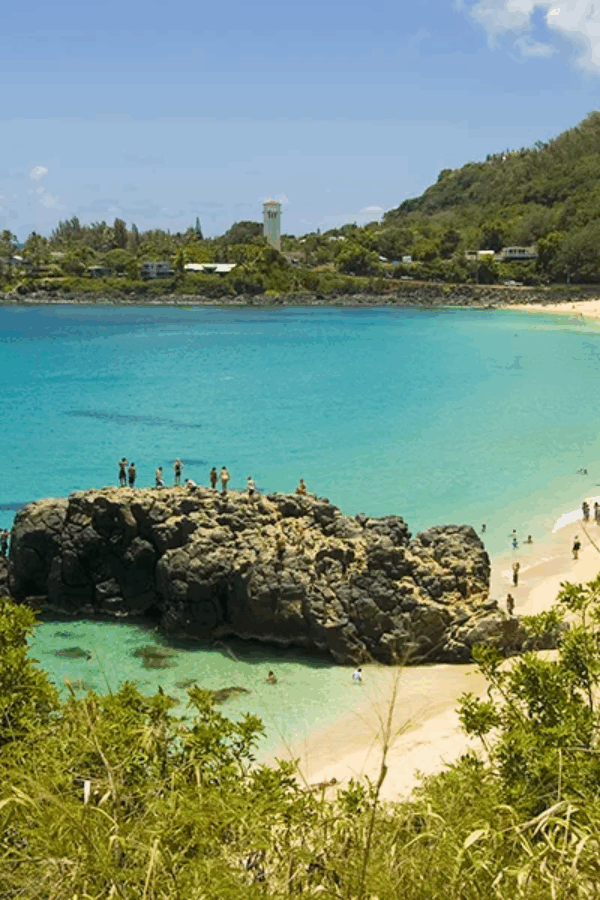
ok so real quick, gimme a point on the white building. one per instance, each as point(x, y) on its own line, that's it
point(156, 270)
point(272, 223)
point(509, 253)
point(210, 268)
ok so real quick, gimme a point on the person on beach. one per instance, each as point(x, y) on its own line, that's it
point(510, 604)
point(515, 572)
point(214, 477)
point(357, 676)
point(597, 513)
point(3, 542)
point(131, 474)
point(158, 475)
point(177, 467)
point(585, 508)
point(301, 489)
point(251, 486)
point(271, 678)
point(576, 547)
point(122, 472)
point(224, 479)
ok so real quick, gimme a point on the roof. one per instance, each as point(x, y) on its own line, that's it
point(271, 203)
point(209, 267)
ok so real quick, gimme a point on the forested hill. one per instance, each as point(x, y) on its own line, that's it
point(556, 183)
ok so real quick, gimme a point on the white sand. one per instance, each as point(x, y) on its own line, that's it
point(426, 732)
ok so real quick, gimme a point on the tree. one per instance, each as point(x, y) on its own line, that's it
point(8, 246)
point(122, 262)
point(356, 260)
point(36, 250)
point(243, 232)
point(449, 243)
point(119, 234)
point(134, 239)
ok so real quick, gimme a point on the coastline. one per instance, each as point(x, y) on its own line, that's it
point(402, 294)
point(425, 729)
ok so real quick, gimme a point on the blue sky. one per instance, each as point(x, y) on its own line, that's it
point(159, 114)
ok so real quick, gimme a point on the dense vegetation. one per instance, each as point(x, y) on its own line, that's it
point(114, 797)
point(545, 197)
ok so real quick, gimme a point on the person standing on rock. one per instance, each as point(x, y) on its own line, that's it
point(224, 479)
point(214, 477)
point(251, 486)
point(357, 676)
point(122, 472)
point(131, 474)
point(510, 604)
point(177, 467)
point(301, 489)
point(515, 570)
point(160, 481)
point(3, 542)
point(576, 547)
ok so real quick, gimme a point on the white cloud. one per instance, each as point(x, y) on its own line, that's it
point(50, 201)
point(577, 21)
point(372, 209)
point(38, 172)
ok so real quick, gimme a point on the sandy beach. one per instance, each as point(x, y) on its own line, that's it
point(576, 309)
point(425, 731)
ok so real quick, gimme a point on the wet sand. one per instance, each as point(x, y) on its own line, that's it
point(425, 730)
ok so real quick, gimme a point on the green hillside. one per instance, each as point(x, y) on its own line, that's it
point(547, 195)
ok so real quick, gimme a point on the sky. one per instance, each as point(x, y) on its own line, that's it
point(157, 114)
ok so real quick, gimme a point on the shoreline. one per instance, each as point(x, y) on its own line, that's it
point(425, 730)
point(402, 295)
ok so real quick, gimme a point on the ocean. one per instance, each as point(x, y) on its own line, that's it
point(442, 417)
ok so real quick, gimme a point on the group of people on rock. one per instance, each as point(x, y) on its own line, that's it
point(128, 475)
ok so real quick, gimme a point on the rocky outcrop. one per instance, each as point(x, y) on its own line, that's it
point(286, 569)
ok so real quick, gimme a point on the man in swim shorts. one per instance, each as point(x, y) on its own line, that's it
point(131, 473)
point(123, 471)
point(177, 467)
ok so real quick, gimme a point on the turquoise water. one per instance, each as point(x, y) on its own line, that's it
point(445, 416)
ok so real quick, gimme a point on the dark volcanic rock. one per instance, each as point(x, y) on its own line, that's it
point(281, 568)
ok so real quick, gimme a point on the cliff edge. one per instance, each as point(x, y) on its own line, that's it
point(285, 569)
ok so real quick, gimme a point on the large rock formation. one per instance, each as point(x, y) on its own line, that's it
point(286, 569)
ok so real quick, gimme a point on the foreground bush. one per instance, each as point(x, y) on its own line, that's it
point(114, 797)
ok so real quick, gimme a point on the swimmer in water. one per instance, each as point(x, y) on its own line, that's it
point(271, 678)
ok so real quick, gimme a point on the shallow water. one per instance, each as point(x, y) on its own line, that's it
point(445, 416)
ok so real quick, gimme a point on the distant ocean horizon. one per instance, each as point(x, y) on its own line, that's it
point(440, 416)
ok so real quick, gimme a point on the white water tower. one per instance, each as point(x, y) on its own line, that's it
point(272, 223)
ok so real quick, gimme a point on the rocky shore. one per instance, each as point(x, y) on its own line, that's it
point(283, 569)
point(421, 295)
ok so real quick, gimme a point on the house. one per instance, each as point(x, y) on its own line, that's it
point(510, 254)
point(474, 255)
point(99, 271)
point(156, 270)
point(210, 268)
